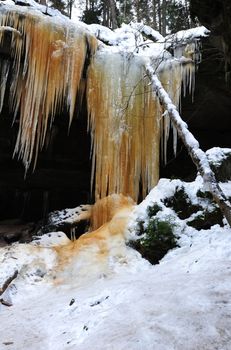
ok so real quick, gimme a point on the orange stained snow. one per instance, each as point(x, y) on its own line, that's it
point(116, 209)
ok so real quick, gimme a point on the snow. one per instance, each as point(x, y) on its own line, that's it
point(103, 33)
point(140, 27)
point(182, 303)
point(226, 187)
point(216, 155)
point(167, 188)
point(129, 37)
point(184, 36)
point(32, 7)
point(9, 29)
point(118, 300)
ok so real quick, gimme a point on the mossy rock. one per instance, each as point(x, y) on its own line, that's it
point(152, 210)
point(222, 165)
point(181, 204)
point(204, 195)
point(205, 220)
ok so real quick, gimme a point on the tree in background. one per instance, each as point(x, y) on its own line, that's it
point(110, 14)
point(59, 5)
point(125, 11)
point(91, 16)
point(165, 16)
point(69, 7)
point(142, 11)
point(178, 16)
point(104, 12)
point(92, 12)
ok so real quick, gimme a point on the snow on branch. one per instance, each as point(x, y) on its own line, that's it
point(147, 31)
point(189, 35)
point(198, 156)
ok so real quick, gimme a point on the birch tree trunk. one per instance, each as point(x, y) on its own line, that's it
point(198, 156)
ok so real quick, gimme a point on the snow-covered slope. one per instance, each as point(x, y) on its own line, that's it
point(118, 300)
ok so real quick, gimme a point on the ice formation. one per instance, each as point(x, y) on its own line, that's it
point(124, 119)
point(48, 62)
point(55, 60)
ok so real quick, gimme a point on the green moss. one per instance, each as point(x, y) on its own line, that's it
point(158, 240)
point(152, 210)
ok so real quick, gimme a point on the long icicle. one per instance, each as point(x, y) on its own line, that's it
point(126, 123)
point(49, 58)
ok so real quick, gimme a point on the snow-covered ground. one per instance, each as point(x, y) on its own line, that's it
point(84, 299)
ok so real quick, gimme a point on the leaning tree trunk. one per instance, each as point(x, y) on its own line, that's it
point(198, 156)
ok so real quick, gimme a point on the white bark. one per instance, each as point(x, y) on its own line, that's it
point(198, 156)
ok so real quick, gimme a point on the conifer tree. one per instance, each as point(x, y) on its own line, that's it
point(92, 12)
point(125, 11)
point(177, 16)
point(59, 5)
point(104, 12)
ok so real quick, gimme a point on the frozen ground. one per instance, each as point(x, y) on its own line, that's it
point(117, 300)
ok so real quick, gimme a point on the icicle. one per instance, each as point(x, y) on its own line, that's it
point(124, 119)
point(104, 209)
point(47, 70)
point(174, 75)
point(4, 71)
point(73, 234)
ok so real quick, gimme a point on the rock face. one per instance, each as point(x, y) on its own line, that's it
point(216, 16)
point(61, 179)
point(208, 116)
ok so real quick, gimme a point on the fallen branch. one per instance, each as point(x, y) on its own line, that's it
point(8, 282)
point(147, 32)
point(4, 288)
point(198, 156)
point(5, 303)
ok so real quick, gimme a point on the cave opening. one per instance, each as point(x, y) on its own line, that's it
point(61, 178)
